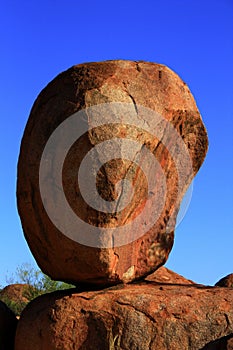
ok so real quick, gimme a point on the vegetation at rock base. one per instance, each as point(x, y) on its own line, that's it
point(35, 284)
point(16, 307)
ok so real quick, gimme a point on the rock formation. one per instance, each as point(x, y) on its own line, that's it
point(107, 154)
point(8, 324)
point(163, 312)
point(226, 281)
point(165, 275)
point(16, 292)
point(154, 138)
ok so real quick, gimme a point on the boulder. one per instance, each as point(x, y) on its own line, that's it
point(8, 323)
point(145, 315)
point(108, 152)
point(167, 276)
point(18, 295)
point(226, 281)
point(17, 292)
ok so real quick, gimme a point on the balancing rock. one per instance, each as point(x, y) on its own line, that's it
point(107, 154)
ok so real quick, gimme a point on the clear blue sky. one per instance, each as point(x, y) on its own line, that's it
point(194, 38)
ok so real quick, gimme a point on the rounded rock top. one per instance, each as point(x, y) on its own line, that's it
point(107, 154)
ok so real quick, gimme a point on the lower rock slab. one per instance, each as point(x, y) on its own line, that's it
point(147, 315)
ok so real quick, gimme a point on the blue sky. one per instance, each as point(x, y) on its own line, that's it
point(194, 38)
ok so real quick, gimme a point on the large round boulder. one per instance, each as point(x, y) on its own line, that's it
point(107, 154)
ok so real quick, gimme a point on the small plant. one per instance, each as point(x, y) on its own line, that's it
point(114, 342)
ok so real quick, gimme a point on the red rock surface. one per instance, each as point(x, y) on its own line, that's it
point(8, 324)
point(226, 281)
point(138, 84)
point(167, 276)
point(16, 292)
point(148, 315)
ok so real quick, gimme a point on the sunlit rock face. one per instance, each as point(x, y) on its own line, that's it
point(107, 154)
point(163, 312)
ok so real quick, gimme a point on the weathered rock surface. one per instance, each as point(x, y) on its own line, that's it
point(165, 275)
point(17, 292)
point(61, 255)
point(8, 323)
point(226, 281)
point(148, 315)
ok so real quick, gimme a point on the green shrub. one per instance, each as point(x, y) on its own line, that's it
point(38, 282)
point(16, 307)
